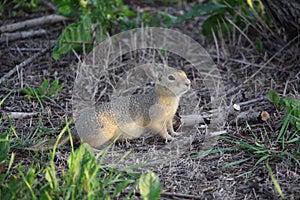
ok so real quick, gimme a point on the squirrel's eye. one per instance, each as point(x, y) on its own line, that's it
point(171, 77)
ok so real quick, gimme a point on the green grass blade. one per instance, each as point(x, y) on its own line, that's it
point(37, 96)
point(262, 159)
point(4, 147)
point(213, 151)
point(275, 182)
point(5, 97)
point(236, 162)
point(283, 127)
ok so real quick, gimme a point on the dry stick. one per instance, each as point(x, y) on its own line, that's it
point(32, 23)
point(24, 63)
point(180, 195)
point(8, 37)
point(235, 26)
point(217, 47)
point(21, 115)
point(191, 120)
point(244, 103)
point(252, 116)
point(263, 66)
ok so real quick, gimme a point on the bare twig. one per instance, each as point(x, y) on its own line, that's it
point(217, 47)
point(242, 32)
point(244, 103)
point(31, 23)
point(191, 120)
point(21, 115)
point(8, 37)
point(25, 49)
point(216, 133)
point(180, 195)
point(24, 63)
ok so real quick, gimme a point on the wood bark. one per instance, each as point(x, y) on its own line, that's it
point(285, 13)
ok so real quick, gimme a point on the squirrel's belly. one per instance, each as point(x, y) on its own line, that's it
point(132, 130)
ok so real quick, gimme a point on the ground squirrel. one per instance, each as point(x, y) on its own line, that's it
point(132, 116)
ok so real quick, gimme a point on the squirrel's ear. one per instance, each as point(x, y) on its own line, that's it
point(146, 70)
point(159, 78)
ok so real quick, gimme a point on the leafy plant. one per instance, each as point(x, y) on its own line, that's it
point(27, 4)
point(285, 146)
point(290, 120)
point(97, 19)
point(239, 12)
point(85, 177)
point(46, 90)
point(2, 4)
point(149, 186)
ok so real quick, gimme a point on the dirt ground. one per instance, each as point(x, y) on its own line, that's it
point(247, 74)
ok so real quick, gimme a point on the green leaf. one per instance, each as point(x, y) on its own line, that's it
point(259, 44)
point(169, 20)
point(203, 10)
point(41, 92)
point(215, 23)
point(297, 125)
point(28, 91)
point(73, 37)
point(127, 12)
point(4, 146)
point(55, 88)
point(67, 7)
point(149, 186)
point(122, 186)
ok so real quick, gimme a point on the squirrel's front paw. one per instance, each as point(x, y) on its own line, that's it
point(168, 137)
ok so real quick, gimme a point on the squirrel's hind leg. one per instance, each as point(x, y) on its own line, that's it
point(171, 128)
point(164, 133)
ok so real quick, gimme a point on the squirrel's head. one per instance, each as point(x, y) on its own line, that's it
point(172, 81)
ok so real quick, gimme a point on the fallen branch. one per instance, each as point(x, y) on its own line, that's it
point(192, 120)
point(31, 23)
point(253, 116)
point(24, 63)
point(8, 37)
point(21, 115)
point(244, 103)
point(216, 133)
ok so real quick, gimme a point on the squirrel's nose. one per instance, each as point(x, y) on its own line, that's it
point(188, 83)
